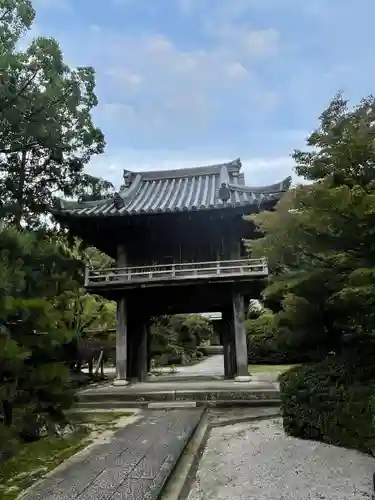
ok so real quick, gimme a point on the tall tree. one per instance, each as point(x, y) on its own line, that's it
point(16, 17)
point(33, 271)
point(321, 239)
point(47, 134)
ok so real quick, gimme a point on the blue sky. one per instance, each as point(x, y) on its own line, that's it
point(194, 82)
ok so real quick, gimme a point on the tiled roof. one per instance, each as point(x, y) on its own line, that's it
point(201, 188)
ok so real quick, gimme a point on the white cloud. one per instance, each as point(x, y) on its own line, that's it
point(168, 85)
point(236, 70)
point(127, 78)
point(258, 171)
point(185, 6)
point(261, 43)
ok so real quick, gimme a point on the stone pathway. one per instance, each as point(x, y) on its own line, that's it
point(134, 465)
point(211, 366)
point(257, 461)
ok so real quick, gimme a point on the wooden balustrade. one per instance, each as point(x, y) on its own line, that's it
point(178, 271)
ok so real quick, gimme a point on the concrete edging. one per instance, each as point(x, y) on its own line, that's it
point(179, 482)
point(177, 487)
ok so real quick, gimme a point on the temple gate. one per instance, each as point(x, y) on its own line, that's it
point(177, 238)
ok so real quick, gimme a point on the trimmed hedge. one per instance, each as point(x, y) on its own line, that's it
point(334, 400)
point(265, 349)
point(268, 346)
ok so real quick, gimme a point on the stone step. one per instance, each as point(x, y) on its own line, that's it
point(137, 394)
point(208, 403)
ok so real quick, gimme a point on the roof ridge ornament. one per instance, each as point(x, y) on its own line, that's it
point(224, 193)
point(128, 177)
point(118, 201)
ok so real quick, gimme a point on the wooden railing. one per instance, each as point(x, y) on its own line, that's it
point(190, 270)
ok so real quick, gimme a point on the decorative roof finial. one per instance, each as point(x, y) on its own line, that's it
point(118, 201)
point(224, 193)
point(128, 178)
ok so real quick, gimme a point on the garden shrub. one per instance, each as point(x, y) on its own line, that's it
point(177, 339)
point(271, 344)
point(334, 400)
point(8, 443)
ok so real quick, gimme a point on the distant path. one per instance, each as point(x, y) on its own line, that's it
point(211, 366)
point(134, 465)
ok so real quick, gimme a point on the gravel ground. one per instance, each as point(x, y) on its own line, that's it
point(257, 461)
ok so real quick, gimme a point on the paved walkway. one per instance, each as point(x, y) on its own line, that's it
point(257, 461)
point(134, 465)
point(211, 366)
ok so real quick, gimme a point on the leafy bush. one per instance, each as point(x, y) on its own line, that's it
point(334, 400)
point(176, 339)
point(269, 342)
point(8, 443)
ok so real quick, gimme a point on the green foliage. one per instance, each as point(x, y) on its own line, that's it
point(271, 342)
point(82, 311)
point(33, 271)
point(47, 134)
point(321, 248)
point(334, 400)
point(320, 240)
point(17, 17)
point(175, 339)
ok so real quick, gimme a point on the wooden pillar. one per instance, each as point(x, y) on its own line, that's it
point(149, 356)
point(229, 344)
point(134, 335)
point(122, 258)
point(226, 347)
point(240, 338)
point(121, 343)
point(217, 333)
point(233, 349)
point(142, 367)
point(132, 348)
point(121, 328)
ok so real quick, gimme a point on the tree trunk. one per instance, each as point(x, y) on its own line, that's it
point(20, 191)
point(8, 412)
point(100, 362)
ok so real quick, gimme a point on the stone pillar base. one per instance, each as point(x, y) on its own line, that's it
point(120, 382)
point(242, 378)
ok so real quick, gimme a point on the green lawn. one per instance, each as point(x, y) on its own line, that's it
point(278, 369)
point(34, 460)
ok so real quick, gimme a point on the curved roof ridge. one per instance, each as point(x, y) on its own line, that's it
point(232, 166)
point(271, 188)
point(73, 204)
point(167, 191)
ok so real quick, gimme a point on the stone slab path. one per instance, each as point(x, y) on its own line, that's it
point(211, 366)
point(134, 465)
point(257, 461)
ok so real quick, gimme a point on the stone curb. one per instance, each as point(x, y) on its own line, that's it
point(244, 420)
point(179, 482)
